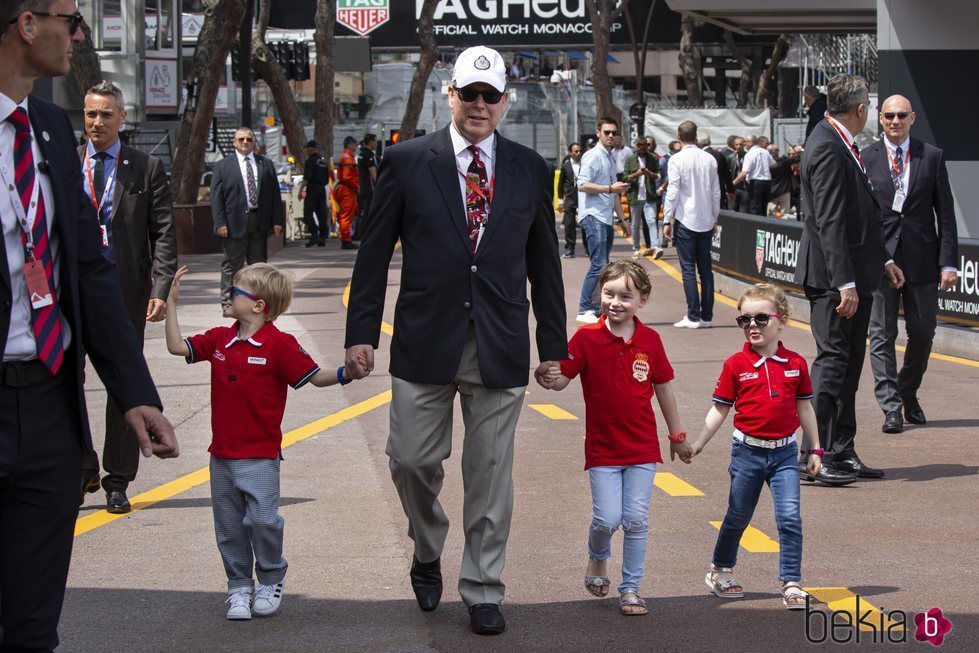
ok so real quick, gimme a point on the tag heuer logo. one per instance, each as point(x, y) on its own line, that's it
point(363, 16)
point(482, 63)
point(760, 249)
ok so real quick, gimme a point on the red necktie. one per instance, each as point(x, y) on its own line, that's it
point(46, 320)
point(477, 190)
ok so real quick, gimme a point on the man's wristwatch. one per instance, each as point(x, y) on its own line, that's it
point(679, 436)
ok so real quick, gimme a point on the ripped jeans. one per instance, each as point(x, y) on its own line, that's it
point(620, 495)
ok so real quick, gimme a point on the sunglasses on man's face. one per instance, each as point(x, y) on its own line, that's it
point(245, 140)
point(610, 132)
point(900, 115)
point(74, 20)
point(469, 94)
point(761, 319)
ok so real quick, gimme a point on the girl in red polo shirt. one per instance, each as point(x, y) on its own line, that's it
point(622, 365)
point(769, 387)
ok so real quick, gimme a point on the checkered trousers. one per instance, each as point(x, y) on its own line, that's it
point(247, 524)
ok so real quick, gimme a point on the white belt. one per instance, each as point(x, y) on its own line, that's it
point(765, 444)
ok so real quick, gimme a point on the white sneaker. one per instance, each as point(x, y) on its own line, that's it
point(635, 253)
point(657, 253)
point(267, 599)
point(588, 317)
point(687, 323)
point(706, 325)
point(240, 602)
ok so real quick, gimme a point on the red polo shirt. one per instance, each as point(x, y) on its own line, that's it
point(249, 380)
point(763, 391)
point(617, 378)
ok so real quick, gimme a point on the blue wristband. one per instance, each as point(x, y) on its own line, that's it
point(340, 379)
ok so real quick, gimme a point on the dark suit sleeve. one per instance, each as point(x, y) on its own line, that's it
point(948, 239)
point(544, 274)
point(162, 231)
point(272, 183)
point(219, 212)
point(828, 175)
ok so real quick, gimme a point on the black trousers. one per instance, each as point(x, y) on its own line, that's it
point(760, 190)
point(840, 347)
point(40, 455)
point(316, 213)
point(570, 224)
point(120, 451)
point(253, 248)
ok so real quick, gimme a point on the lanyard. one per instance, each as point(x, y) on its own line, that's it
point(98, 203)
point(907, 162)
point(486, 196)
point(24, 218)
point(848, 142)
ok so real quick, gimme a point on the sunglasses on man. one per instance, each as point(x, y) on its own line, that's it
point(74, 20)
point(744, 321)
point(901, 115)
point(469, 94)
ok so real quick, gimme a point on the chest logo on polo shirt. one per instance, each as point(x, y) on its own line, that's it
point(747, 376)
point(255, 360)
point(218, 355)
point(640, 368)
point(791, 373)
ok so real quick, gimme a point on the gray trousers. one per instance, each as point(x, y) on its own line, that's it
point(421, 439)
point(245, 503)
point(253, 248)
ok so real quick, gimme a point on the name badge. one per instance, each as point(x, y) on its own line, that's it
point(898, 201)
point(254, 360)
point(37, 284)
point(791, 373)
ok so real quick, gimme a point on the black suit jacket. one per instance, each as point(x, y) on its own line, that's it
point(922, 238)
point(842, 235)
point(817, 111)
point(88, 293)
point(723, 172)
point(144, 237)
point(229, 198)
point(567, 184)
point(444, 286)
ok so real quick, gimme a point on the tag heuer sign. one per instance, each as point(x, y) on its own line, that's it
point(363, 16)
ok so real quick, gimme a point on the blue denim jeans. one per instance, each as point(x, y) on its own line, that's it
point(752, 467)
point(693, 250)
point(620, 495)
point(599, 237)
point(644, 211)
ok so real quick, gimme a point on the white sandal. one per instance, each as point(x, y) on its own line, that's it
point(722, 583)
point(793, 590)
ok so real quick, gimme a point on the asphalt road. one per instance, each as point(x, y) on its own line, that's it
point(153, 581)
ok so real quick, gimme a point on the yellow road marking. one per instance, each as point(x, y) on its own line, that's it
point(674, 486)
point(193, 479)
point(551, 411)
point(841, 598)
point(754, 540)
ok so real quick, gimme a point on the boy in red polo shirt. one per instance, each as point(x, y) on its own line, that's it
point(769, 387)
point(252, 365)
point(622, 364)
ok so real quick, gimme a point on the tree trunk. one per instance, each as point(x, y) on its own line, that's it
point(690, 63)
point(326, 18)
point(285, 101)
point(602, 15)
point(744, 86)
point(416, 96)
point(85, 63)
point(639, 50)
point(765, 96)
point(219, 32)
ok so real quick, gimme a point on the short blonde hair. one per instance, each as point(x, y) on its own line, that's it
point(270, 284)
point(625, 268)
point(768, 292)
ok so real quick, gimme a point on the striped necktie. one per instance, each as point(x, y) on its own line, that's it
point(897, 170)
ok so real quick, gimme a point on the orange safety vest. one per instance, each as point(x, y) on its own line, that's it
point(347, 171)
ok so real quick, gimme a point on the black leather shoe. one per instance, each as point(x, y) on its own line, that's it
point(90, 483)
point(310, 243)
point(116, 502)
point(913, 413)
point(321, 242)
point(857, 467)
point(426, 580)
point(827, 476)
point(346, 244)
point(893, 422)
point(486, 619)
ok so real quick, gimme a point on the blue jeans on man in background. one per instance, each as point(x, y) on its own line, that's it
point(644, 212)
point(751, 467)
point(693, 250)
point(599, 236)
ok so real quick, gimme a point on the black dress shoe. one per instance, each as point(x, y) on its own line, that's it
point(893, 422)
point(827, 476)
point(913, 413)
point(856, 467)
point(90, 483)
point(426, 580)
point(116, 502)
point(486, 619)
point(310, 242)
point(321, 242)
point(346, 244)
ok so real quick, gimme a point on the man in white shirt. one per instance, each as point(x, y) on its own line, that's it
point(757, 168)
point(620, 152)
point(598, 204)
point(693, 201)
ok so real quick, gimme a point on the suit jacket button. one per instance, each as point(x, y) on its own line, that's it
point(466, 304)
point(472, 269)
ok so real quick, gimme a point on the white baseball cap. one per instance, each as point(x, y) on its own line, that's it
point(479, 64)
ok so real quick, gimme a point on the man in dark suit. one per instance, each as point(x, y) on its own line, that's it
point(133, 202)
point(911, 183)
point(316, 175)
point(839, 267)
point(59, 300)
point(568, 187)
point(816, 104)
point(469, 246)
point(724, 177)
point(246, 207)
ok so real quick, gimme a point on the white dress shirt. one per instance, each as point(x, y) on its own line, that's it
point(758, 162)
point(693, 195)
point(244, 176)
point(20, 337)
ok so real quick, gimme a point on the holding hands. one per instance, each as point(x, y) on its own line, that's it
point(548, 373)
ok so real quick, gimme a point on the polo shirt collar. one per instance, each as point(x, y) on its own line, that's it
point(609, 337)
point(256, 340)
point(757, 360)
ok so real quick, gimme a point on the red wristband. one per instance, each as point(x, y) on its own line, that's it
point(815, 452)
point(679, 436)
